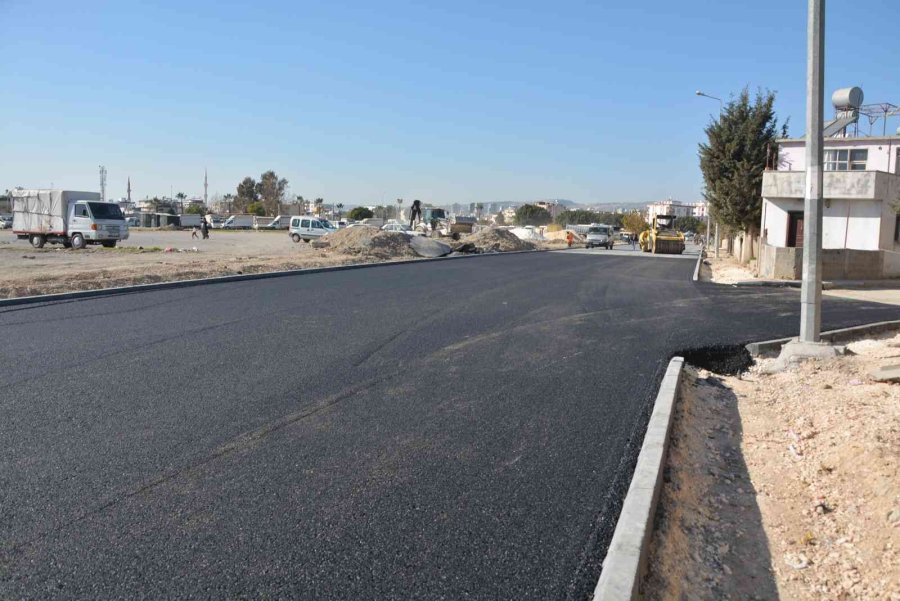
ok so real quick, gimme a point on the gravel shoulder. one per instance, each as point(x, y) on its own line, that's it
point(783, 485)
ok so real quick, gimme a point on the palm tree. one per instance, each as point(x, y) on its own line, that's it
point(340, 208)
point(319, 202)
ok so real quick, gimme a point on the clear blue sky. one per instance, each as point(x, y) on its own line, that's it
point(358, 101)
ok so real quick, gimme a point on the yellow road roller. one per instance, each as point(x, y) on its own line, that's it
point(661, 238)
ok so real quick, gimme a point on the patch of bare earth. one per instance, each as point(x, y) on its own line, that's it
point(57, 270)
point(783, 485)
point(725, 270)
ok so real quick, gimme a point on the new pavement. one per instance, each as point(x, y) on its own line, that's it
point(455, 429)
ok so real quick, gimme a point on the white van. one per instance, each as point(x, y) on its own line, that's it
point(307, 227)
point(599, 235)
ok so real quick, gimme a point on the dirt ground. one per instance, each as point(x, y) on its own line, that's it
point(725, 270)
point(785, 485)
point(159, 255)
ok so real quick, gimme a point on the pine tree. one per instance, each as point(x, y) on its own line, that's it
point(734, 158)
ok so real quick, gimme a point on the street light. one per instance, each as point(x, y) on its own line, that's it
point(721, 104)
point(708, 212)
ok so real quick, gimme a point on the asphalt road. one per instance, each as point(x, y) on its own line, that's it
point(459, 429)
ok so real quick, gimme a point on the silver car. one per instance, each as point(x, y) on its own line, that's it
point(308, 227)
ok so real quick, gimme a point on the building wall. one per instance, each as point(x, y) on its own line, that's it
point(775, 219)
point(855, 224)
point(882, 152)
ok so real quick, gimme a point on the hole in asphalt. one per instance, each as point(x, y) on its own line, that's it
point(728, 360)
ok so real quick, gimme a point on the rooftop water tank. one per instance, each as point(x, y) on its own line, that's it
point(847, 98)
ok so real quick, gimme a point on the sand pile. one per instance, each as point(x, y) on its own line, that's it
point(495, 241)
point(561, 235)
point(370, 242)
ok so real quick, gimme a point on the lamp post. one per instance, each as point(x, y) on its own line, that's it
point(708, 212)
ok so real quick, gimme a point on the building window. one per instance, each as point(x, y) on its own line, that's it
point(846, 160)
point(858, 159)
point(896, 229)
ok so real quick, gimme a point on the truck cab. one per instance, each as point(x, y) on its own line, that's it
point(95, 223)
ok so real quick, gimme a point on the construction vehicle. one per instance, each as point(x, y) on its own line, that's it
point(662, 238)
point(436, 221)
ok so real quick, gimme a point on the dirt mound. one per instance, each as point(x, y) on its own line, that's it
point(561, 235)
point(371, 242)
point(496, 241)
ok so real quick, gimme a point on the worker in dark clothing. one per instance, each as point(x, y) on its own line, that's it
point(204, 228)
point(415, 212)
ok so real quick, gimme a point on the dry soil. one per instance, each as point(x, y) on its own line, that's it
point(783, 485)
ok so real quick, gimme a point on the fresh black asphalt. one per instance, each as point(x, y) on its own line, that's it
point(450, 430)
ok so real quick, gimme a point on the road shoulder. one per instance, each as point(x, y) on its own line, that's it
point(783, 485)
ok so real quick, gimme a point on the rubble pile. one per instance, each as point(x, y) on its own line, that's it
point(492, 240)
point(370, 242)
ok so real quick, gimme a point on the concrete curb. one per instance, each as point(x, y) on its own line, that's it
point(79, 294)
point(626, 560)
point(827, 285)
point(770, 348)
point(696, 277)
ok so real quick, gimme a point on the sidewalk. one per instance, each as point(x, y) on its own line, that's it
point(728, 271)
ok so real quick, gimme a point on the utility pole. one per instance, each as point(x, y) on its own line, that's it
point(206, 189)
point(708, 212)
point(811, 286)
point(102, 183)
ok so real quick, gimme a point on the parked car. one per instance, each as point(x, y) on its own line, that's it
point(5, 222)
point(308, 227)
point(402, 228)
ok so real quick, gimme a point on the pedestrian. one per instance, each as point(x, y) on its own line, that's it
point(633, 241)
point(194, 231)
point(415, 212)
point(570, 238)
point(204, 228)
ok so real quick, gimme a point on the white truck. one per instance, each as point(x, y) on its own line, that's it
point(239, 222)
point(281, 222)
point(189, 220)
point(73, 219)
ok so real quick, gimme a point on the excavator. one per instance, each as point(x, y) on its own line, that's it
point(661, 238)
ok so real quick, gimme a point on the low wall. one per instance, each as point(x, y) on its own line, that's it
point(782, 263)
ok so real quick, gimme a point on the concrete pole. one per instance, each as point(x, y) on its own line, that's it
point(718, 244)
point(811, 287)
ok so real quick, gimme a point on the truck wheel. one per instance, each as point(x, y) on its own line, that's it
point(77, 241)
point(295, 237)
point(109, 244)
point(38, 241)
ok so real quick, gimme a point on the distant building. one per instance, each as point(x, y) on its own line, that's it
point(674, 207)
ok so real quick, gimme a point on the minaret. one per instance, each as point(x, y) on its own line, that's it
point(129, 191)
point(205, 189)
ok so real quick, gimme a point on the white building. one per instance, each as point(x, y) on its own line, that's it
point(674, 207)
point(860, 226)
